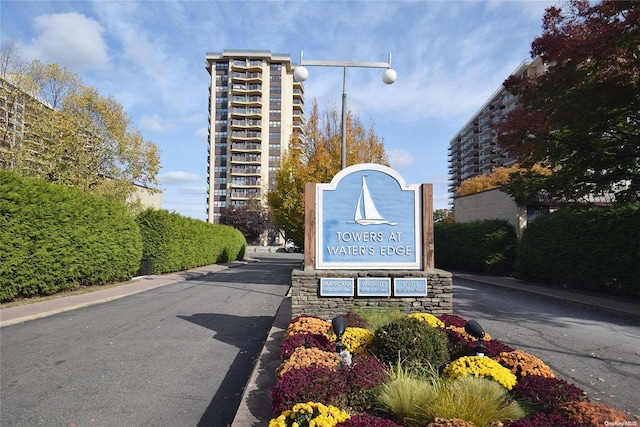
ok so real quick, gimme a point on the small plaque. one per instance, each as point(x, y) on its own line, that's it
point(410, 287)
point(336, 287)
point(374, 287)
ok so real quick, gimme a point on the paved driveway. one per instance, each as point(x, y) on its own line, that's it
point(178, 355)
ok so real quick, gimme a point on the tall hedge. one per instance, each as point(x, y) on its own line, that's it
point(486, 246)
point(54, 238)
point(596, 249)
point(173, 242)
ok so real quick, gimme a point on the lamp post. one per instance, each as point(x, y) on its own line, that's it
point(300, 74)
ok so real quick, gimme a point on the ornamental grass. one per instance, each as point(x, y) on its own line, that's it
point(480, 366)
point(417, 401)
point(522, 364)
point(310, 414)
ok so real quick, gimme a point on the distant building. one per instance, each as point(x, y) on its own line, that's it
point(19, 109)
point(474, 149)
point(255, 106)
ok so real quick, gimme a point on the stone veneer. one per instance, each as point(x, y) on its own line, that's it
point(305, 295)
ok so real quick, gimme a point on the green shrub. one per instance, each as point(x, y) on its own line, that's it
point(487, 246)
point(55, 238)
point(410, 339)
point(597, 249)
point(175, 243)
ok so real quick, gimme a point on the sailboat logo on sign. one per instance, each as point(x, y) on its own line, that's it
point(366, 212)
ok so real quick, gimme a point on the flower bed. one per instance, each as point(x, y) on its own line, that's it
point(507, 387)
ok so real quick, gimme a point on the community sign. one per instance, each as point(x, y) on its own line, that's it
point(368, 217)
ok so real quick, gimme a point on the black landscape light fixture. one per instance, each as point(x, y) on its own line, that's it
point(474, 329)
point(339, 325)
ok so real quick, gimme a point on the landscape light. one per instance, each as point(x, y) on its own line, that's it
point(339, 325)
point(474, 329)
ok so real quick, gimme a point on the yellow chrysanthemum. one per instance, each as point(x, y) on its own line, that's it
point(357, 340)
point(432, 320)
point(480, 366)
point(311, 414)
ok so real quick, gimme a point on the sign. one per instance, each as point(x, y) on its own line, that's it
point(336, 287)
point(410, 287)
point(368, 217)
point(374, 287)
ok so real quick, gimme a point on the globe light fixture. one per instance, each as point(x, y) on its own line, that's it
point(474, 329)
point(300, 74)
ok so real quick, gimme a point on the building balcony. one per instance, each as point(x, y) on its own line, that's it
point(245, 88)
point(246, 159)
point(246, 124)
point(246, 100)
point(246, 135)
point(246, 112)
point(245, 170)
point(247, 76)
point(245, 147)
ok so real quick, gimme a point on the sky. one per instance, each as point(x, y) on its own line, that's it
point(149, 55)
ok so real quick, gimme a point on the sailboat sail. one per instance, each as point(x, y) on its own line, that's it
point(366, 212)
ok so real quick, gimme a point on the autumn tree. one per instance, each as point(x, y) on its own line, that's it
point(500, 177)
point(70, 134)
point(581, 118)
point(315, 157)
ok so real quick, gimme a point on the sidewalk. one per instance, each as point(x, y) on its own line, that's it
point(37, 310)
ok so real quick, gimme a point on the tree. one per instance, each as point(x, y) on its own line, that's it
point(70, 134)
point(315, 157)
point(498, 178)
point(251, 222)
point(581, 118)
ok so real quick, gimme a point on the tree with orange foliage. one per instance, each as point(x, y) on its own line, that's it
point(315, 157)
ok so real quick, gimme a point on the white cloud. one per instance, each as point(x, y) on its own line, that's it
point(178, 176)
point(399, 158)
point(193, 190)
point(69, 39)
point(156, 124)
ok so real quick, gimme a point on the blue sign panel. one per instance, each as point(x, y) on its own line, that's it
point(374, 287)
point(368, 217)
point(410, 287)
point(336, 287)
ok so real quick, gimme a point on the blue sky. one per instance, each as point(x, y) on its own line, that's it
point(450, 57)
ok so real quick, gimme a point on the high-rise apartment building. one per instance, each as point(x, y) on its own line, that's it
point(255, 106)
point(474, 149)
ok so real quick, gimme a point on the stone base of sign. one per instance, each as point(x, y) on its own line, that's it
point(306, 299)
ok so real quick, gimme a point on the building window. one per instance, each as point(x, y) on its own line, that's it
point(222, 65)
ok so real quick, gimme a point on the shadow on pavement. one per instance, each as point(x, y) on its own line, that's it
point(247, 334)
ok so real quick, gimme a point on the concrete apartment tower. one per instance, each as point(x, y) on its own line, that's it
point(474, 149)
point(255, 106)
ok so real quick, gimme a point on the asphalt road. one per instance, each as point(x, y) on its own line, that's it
point(178, 355)
point(595, 350)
